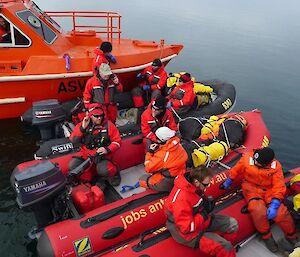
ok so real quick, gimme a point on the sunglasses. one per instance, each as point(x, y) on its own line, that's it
point(205, 184)
point(97, 116)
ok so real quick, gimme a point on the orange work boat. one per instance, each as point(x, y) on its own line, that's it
point(41, 61)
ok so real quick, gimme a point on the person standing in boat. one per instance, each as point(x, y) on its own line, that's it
point(103, 55)
point(152, 80)
point(189, 217)
point(5, 35)
point(164, 162)
point(183, 96)
point(99, 138)
point(264, 189)
point(101, 88)
point(154, 117)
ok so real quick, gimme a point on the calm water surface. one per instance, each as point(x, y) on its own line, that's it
point(252, 44)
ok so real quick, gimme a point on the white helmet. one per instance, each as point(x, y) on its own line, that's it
point(164, 133)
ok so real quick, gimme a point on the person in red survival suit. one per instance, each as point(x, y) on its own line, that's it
point(152, 81)
point(264, 189)
point(100, 138)
point(5, 35)
point(189, 217)
point(154, 117)
point(165, 161)
point(101, 88)
point(103, 55)
point(183, 96)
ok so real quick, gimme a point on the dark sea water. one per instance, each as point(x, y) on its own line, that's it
point(252, 44)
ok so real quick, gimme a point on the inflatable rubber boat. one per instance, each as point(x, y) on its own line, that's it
point(75, 217)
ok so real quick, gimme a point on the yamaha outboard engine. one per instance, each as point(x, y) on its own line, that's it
point(41, 188)
point(46, 115)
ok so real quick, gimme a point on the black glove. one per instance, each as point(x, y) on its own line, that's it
point(204, 214)
point(208, 204)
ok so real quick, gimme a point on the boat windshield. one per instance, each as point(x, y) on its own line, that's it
point(37, 25)
point(34, 7)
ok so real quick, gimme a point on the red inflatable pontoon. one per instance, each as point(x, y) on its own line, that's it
point(97, 230)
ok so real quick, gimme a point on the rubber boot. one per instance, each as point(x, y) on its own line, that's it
point(271, 244)
point(115, 180)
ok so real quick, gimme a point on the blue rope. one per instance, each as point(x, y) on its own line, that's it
point(126, 188)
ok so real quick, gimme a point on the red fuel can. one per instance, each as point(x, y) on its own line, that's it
point(87, 197)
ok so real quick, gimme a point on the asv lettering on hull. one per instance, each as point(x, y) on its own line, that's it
point(71, 86)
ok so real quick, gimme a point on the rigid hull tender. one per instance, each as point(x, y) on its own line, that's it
point(50, 63)
point(107, 225)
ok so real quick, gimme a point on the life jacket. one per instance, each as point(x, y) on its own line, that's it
point(150, 124)
point(97, 137)
point(100, 91)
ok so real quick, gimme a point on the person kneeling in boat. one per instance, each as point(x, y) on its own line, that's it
point(165, 161)
point(183, 96)
point(99, 138)
point(264, 189)
point(189, 217)
point(103, 55)
point(152, 81)
point(101, 88)
point(154, 117)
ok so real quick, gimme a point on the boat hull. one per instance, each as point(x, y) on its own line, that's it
point(19, 92)
point(135, 218)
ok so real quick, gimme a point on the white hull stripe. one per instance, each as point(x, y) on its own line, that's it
point(77, 74)
point(12, 100)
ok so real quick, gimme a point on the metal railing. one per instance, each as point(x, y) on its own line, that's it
point(110, 22)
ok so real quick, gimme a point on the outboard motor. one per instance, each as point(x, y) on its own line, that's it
point(47, 114)
point(41, 188)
